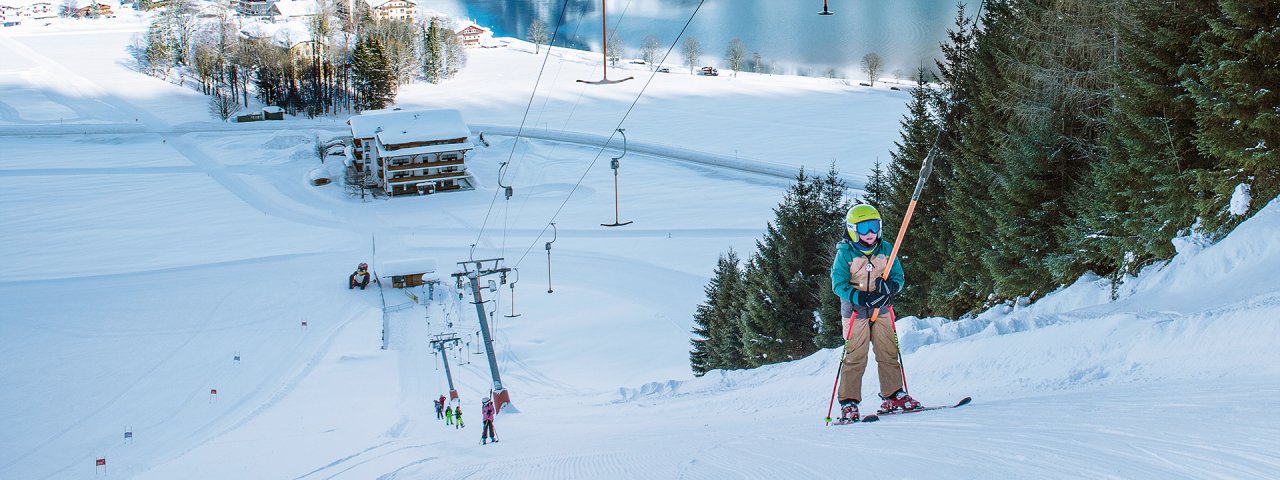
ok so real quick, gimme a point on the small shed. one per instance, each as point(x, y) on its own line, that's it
point(407, 273)
point(273, 113)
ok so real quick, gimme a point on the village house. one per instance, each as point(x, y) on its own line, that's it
point(253, 7)
point(95, 10)
point(473, 35)
point(411, 152)
point(392, 9)
point(38, 10)
point(285, 10)
point(9, 16)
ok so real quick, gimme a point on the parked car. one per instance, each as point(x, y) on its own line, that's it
point(664, 70)
point(710, 71)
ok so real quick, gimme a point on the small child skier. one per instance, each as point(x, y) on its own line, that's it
point(439, 409)
point(486, 413)
point(448, 416)
point(457, 417)
point(857, 277)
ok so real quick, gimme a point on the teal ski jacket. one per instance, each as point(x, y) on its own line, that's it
point(843, 282)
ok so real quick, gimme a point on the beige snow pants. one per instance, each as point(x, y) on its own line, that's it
point(881, 336)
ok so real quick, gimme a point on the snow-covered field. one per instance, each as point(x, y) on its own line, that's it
point(147, 247)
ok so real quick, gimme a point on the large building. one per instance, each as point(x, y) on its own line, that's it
point(411, 152)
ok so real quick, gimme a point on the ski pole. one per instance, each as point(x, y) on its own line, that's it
point(848, 332)
point(893, 320)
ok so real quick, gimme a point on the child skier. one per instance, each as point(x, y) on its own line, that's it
point(448, 416)
point(857, 278)
point(439, 409)
point(457, 417)
point(360, 278)
point(486, 414)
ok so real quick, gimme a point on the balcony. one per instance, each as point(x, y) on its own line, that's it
point(420, 165)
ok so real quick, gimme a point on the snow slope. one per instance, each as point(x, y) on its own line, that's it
point(148, 249)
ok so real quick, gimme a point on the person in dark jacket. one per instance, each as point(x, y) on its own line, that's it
point(360, 278)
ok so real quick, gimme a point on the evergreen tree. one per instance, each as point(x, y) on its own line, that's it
point(834, 206)
point(1057, 79)
point(876, 191)
point(433, 52)
point(1143, 191)
point(784, 277)
point(973, 91)
point(375, 84)
point(717, 341)
point(1236, 87)
point(919, 132)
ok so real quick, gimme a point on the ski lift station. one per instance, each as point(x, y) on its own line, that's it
point(411, 152)
point(407, 273)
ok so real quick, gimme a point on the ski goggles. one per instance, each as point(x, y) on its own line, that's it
point(864, 227)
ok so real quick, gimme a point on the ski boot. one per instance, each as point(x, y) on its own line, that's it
point(898, 402)
point(848, 412)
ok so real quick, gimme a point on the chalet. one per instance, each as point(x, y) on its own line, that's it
point(259, 8)
point(95, 10)
point(473, 35)
point(392, 9)
point(8, 16)
point(285, 10)
point(412, 152)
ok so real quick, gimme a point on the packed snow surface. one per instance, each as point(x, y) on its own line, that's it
point(154, 257)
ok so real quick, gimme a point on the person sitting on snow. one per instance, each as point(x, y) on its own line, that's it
point(360, 277)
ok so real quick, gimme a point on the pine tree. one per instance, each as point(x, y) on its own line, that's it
point(876, 190)
point(433, 52)
point(834, 206)
point(717, 341)
point(1236, 87)
point(1143, 191)
point(919, 132)
point(375, 84)
point(784, 299)
point(973, 92)
point(1057, 87)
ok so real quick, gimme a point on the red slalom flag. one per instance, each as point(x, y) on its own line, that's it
point(102, 462)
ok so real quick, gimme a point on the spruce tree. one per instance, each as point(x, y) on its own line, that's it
point(778, 324)
point(1143, 191)
point(876, 190)
point(433, 52)
point(1057, 80)
point(974, 90)
point(717, 341)
point(834, 205)
point(374, 82)
point(1236, 87)
point(919, 132)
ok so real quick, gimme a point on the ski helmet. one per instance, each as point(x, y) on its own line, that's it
point(364, 266)
point(862, 219)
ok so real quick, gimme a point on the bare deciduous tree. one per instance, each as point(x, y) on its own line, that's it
point(649, 51)
point(692, 52)
point(735, 55)
point(223, 106)
point(538, 35)
point(871, 66)
point(614, 45)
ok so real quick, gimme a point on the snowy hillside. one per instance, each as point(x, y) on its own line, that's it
point(155, 256)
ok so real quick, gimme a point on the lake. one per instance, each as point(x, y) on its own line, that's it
point(787, 34)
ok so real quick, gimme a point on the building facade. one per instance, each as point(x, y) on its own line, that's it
point(411, 152)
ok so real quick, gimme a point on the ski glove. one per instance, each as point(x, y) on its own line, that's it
point(872, 299)
point(887, 287)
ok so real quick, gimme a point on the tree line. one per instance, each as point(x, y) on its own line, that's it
point(344, 63)
point(1073, 137)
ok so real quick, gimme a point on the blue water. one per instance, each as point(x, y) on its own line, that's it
point(789, 34)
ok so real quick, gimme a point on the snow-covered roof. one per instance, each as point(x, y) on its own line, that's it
point(286, 34)
point(296, 8)
point(376, 4)
point(404, 126)
point(396, 268)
